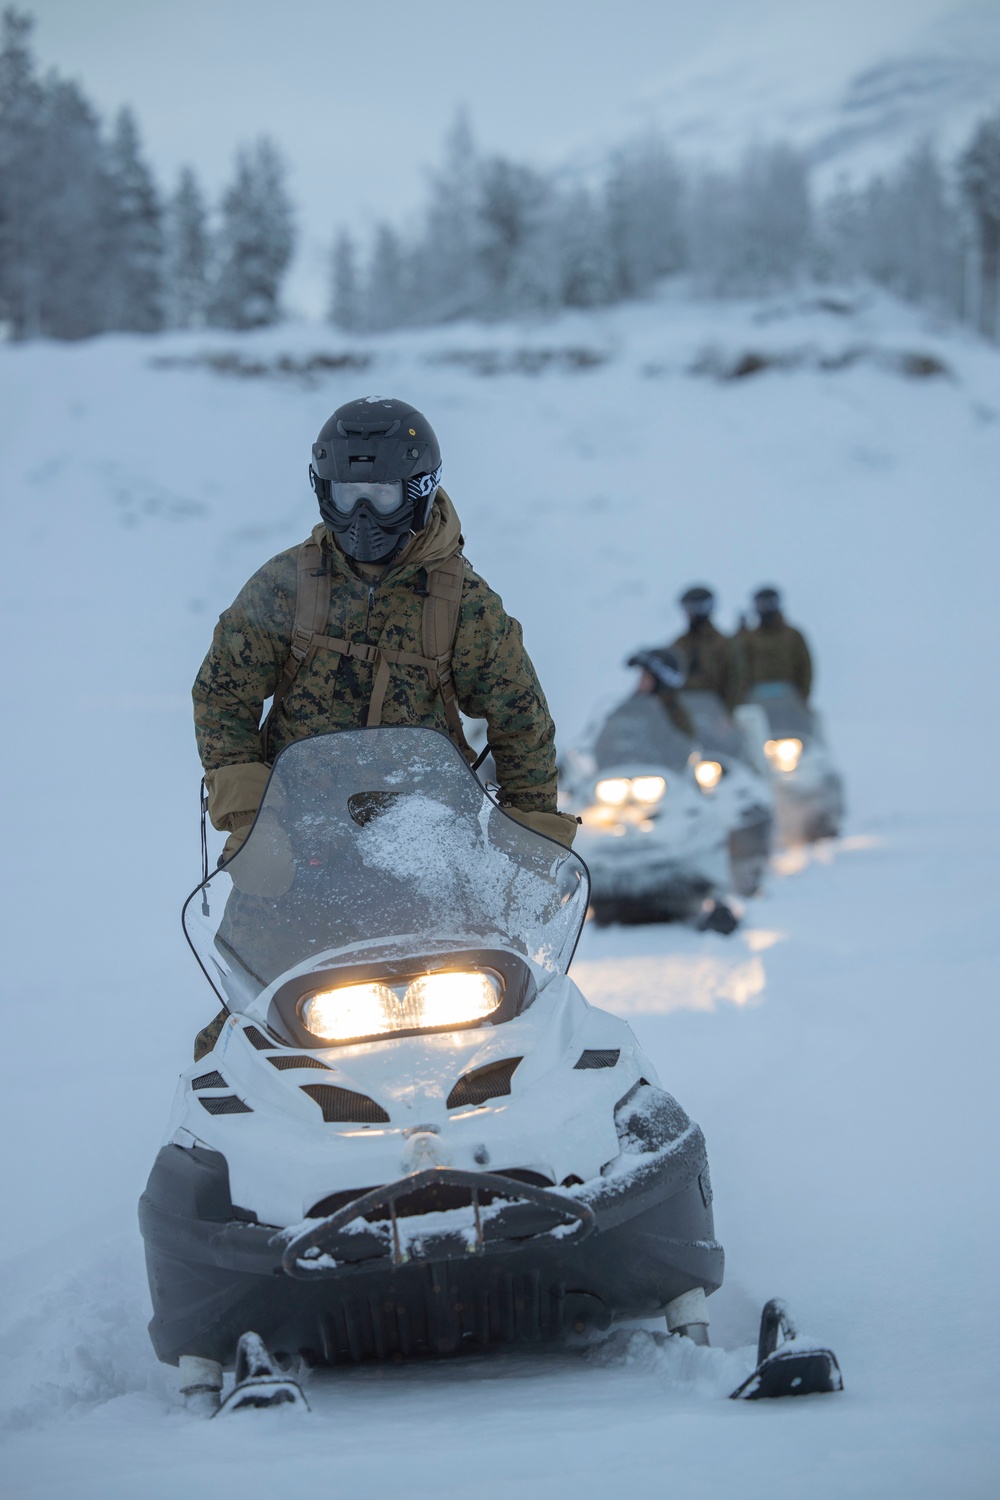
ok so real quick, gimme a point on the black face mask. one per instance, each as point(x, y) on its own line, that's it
point(367, 535)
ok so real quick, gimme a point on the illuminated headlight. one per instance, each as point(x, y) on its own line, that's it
point(783, 755)
point(708, 774)
point(648, 788)
point(450, 998)
point(614, 791)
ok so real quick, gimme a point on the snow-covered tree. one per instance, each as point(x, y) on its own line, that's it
point(21, 134)
point(385, 294)
point(643, 209)
point(135, 234)
point(751, 229)
point(187, 250)
point(345, 298)
point(979, 172)
point(255, 242)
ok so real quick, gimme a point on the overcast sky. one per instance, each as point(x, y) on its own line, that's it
point(358, 95)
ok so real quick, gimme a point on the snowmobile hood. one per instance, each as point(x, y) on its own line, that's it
point(440, 539)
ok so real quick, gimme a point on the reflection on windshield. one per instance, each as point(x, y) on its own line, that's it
point(381, 843)
point(714, 729)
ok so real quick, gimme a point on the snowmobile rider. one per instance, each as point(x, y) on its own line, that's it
point(664, 673)
point(773, 650)
point(707, 651)
point(376, 619)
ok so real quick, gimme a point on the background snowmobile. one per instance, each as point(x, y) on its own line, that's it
point(730, 773)
point(413, 1134)
point(789, 743)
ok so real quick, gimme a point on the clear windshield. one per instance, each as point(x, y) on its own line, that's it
point(377, 844)
point(641, 731)
point(787, 716)
point(713, 728)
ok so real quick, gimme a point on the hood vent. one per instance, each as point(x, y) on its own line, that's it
point(598, 1057)
point(298, 1060)
point(228, 1104)
point(344, 1106)
point(489, 1082)
point(257, 1038)
point(211, 1080)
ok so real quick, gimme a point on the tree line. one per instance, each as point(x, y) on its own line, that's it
point(89, 243)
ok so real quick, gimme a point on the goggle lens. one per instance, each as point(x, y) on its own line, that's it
point(383, 498)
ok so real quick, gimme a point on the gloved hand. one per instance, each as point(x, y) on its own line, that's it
point(554, 825)
point(235, 840)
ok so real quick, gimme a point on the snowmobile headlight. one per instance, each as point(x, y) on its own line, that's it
point(783, 755)
point(356, 1010)
point(708, 774)
point(648, 788)
point(614, 791)
point(451, 999)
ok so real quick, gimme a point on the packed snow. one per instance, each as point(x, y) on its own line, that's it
point(839, 1051)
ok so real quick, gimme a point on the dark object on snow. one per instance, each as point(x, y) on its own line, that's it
point(783, 1369)
point(720, 919)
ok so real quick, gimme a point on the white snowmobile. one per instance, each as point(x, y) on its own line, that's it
point(789, 744)
point(413, 1134)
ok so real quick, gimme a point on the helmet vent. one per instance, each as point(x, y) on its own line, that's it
point(344, 1106)
point(489, 1082)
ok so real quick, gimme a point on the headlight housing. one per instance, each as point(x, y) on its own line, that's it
point(431, 1002)
point(708, 774)
point(615, 791)
point(783, 755)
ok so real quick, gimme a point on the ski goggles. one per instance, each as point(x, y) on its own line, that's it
point(383, 498)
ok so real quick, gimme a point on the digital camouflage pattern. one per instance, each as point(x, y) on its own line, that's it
point(773, 651)
point(709, 656)
point(493, 675)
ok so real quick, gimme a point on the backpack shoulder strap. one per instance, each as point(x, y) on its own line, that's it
point(313, 582)
point(442, 603)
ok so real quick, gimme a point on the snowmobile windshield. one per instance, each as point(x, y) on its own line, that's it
point(787, 715)
point(640, 731)
point(713, 728)
point(374, 846)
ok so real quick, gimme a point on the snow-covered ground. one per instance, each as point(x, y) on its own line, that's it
point(840, 1052)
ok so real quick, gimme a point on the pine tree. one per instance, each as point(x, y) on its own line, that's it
point(21, 134)
point(255, 243)
point(135, 232)
point(187, 248)
point(345, 308)
point(979, 173)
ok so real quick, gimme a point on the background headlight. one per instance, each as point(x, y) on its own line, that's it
point(648, 788)
point(614, 791)
point(451, 998)
point(708, 774)
point(783, 754)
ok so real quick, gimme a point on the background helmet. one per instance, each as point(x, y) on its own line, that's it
point(698, 602)
point(376, 468)
point(667, 666)
point(767, 602)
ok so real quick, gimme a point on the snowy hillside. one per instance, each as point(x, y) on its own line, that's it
point(852, 119)
point(839, 1052)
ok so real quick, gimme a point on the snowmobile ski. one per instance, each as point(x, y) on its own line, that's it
point(259, 1384)
point(790, 1367)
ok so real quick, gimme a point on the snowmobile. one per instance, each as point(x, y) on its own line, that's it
point(653, 833)
point(788, 742)
point(728, 771)
point(413, 1134)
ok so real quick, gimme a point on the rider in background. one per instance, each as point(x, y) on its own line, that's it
point(772, 650)
point(664, 673)
point(709, 655)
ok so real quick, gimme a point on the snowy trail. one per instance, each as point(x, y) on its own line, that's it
point(839, 1053)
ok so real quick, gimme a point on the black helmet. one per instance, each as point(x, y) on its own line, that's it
point(376, 467)
point(767, 602)
point(698, 601)
point(668, 667)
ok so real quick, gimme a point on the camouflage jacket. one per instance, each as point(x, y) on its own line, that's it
point(773, 652)
point(709, 659)
point(493, 675)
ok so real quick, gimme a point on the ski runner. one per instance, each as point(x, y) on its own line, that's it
point(377, 618)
